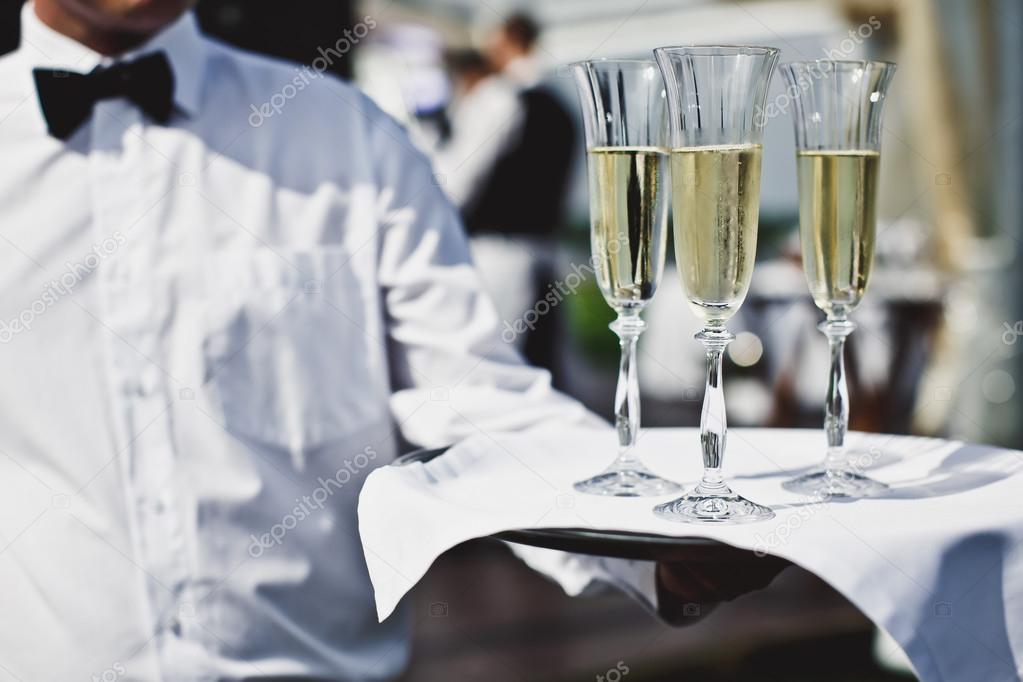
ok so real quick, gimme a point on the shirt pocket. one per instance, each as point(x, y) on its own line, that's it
point(288, 358)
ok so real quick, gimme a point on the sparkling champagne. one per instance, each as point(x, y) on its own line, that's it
point(837, 224)
point(716, 197)
point(628, 212)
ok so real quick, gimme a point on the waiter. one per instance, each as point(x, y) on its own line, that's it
point(211, 326)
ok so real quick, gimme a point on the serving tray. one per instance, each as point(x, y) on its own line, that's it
point(609, 543)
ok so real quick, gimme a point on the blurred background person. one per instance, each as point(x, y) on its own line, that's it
point(506, 165)
point(482, 118)
point(484, 122)
point(512, 49)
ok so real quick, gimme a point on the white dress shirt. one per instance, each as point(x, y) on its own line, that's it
point(209, 332)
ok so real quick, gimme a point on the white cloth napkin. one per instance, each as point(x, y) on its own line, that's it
point(937, 562)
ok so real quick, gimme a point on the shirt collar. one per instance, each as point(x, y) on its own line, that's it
point(41, 46)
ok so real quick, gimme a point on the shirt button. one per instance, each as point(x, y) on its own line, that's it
point(149, 381)
point(155, 505)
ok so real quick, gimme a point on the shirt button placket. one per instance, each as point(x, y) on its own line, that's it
point(135, 316)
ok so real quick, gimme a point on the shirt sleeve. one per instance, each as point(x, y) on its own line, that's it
point(452, 373)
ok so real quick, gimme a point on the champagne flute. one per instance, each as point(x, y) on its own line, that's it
point(837, 109)
point(623, 111)
point(715, 95)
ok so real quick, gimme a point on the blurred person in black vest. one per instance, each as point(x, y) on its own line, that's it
point(524, 196)
point(509, 180)
point(484, 118)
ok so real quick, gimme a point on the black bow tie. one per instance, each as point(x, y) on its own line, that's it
point(67, 98)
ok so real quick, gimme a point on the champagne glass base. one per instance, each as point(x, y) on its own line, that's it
point(822, 484)
point(721, 507)
point(636, 481)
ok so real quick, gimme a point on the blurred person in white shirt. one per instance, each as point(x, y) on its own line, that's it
point(507, 168)
point(483, 117)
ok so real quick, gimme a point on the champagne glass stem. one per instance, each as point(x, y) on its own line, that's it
point(836, 478)
point(712, 501)
point(626, 476)
point(713, 421)
point(628, 327)
point(836, 407)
